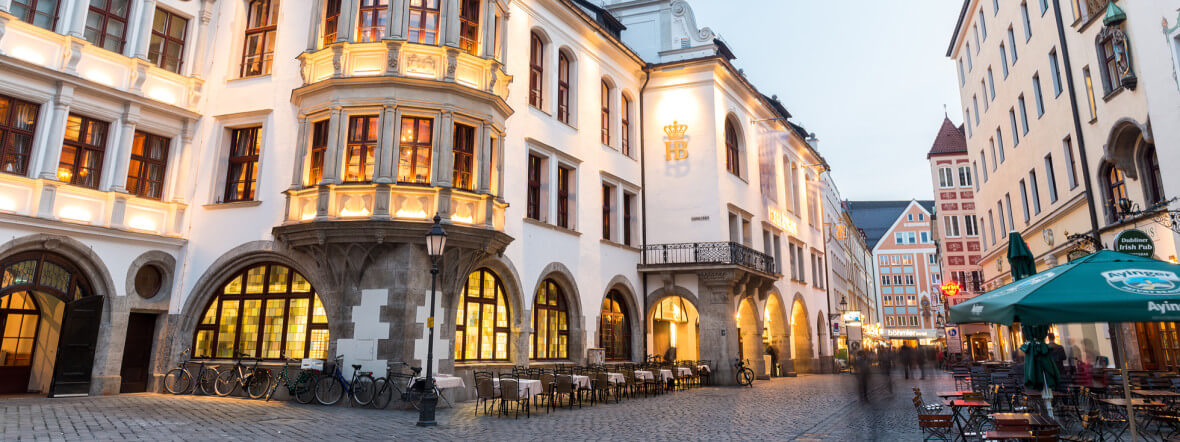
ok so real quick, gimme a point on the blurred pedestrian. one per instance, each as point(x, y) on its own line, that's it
point(862, 375)
point(886, 363)
point(920, 358)
point(1057, 353)
point(940, 355)
point(905, 357)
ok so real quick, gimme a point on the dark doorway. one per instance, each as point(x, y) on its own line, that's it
point(137, 353)
point(75, 350)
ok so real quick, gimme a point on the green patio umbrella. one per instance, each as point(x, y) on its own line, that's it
point(1039, 368)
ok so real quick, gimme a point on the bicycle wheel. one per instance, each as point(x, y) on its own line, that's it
point(274, 385)
point(362, 390)
point(206, 382)
point(178, 381)
point(227, 382)
point(746, 377)
point(305, 387)
point(382, 394)
point(328, 390)
point(257, 383)
point(414, 397)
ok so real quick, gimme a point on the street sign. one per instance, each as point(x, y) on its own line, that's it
point(836, 328)
point(1134, 242)
point(954, 342)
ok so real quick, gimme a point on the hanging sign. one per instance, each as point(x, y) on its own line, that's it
point(1134, 242)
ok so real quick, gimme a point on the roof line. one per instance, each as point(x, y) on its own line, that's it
point(955, 36)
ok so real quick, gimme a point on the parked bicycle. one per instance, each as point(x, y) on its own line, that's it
point(180, 380)
point(331, 387)
point(745, 376)
point(406, 387)
point(302, 387)
point(252, 380)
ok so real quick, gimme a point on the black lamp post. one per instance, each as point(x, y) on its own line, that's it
point(436, 241)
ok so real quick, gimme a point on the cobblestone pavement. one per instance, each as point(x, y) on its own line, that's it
point(816, 407)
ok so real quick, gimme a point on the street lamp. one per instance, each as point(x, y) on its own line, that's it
point(436, 241)
point(843, 304)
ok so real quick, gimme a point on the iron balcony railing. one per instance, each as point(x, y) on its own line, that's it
point(709, 253)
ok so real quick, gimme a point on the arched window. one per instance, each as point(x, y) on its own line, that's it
point(733, 158)
point(266, 311)
point(482, 319)
point(614, 333)
point(1152, 178)
point(259, 47)
point(550, 338)
point(331, 21)
point(605, 113)
point(536, 70)
point(1116, 190)
point(563, 88)
point(625, 132)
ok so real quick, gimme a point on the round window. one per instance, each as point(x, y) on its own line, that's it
point(147, 281)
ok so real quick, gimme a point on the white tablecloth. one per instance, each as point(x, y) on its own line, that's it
point(445, 381)
point(582, 381)
point(665, 374)
point(531, 387)
point(704, 369)
point(616, 378)
point(682, 371)
point(643, 375)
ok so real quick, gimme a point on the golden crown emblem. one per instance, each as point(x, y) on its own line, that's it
point(675, 130)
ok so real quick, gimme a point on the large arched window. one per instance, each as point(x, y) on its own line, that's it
point(267, 311)
point(1116, 190)
point(614, 333)
point(563, 88)
point(551, 331)
point(482, 321)
point(1152, 179)
point(733, 157)
point(536, 70)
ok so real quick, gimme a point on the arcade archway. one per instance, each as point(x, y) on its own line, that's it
point(801, 343)
point(775, 332)
point(749, 335)
point(675, 328)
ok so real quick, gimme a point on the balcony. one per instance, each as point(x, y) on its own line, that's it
point(52, 200)
point(72, 55)
point(405, 202)
point(706, 254)
point(393, 58)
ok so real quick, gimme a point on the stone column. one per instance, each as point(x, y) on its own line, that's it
point(182, 176)
point(122, 153)
point(483, 158)
point(488, 30)
point(202, 40)
point(51, 157)
point(718, 338)
point(143, 37)
point(444, 156)
point(386, 157)
point(77, 12)
point(300, 153)
point(314, 32)
point(450, 23)
point(396, 20)
point(337, 128)
point(346, 24)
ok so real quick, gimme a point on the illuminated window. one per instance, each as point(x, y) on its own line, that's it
point(372, 17)
point(259, 45)
point(614, 334)
point(464, 153)
point(482, 321)
point(550, 338)
point(362, 146)
point(469, 26)
point(319, 146)
point(19, 315)
point(268, 311)
point(166, 48)
point(1116, 191)
point(145, 173)
point(106, 24)
point(242, 173)
point(415, 151)
point(18, 123)
point(732, 153)
point(564, 197)
point(424, 22)
point(331, 21)
point(82, 151)
point(41, 13)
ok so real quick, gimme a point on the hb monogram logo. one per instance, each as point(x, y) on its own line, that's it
point(676, 148)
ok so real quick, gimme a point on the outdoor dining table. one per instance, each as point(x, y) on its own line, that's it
point(583, 382)
point(951, 394)
point(447, 382)
point(643, 375)
point(1165, 395)
point(683, 371)
point(962, 421)
point(529, 387)
point(616, 378)
point(1119, 405)
point(665, 374)
point(1033, 419)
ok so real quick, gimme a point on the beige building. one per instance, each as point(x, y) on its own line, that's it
point(1060, 134)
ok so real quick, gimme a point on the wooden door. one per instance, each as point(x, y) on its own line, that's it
point(137, 353)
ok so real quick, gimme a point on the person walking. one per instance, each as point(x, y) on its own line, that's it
point(862, 375)
point(1057, 353)
point(905, 355)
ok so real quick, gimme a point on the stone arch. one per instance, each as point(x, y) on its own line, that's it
point(801, 339)
point(564, 278)
point(821, 334)
point(653, 301)
point(777, 327)
point(505, 270)
point(749, 324)
point(623, 285)
point(1122, 145)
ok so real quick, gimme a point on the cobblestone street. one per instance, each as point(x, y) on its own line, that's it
point(818, 407)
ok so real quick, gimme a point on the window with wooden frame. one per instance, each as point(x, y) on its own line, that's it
point(564, 182)
point(550, 339)
point(319, 147)
point(469, 26)
point(331, 22)
point(1116, 191)
point(1112, 76)
point(733, 156)
point(1153, 180)
point(106, 24)
point(534, 189)
point(614, 334)
point(608, 196)
point(267, 311)
point(464, 153)
point(82, 151)
point(242, 171)
point(536, 71)
point(18, 123)
point(361, 149)
point(166, 48)
point(625, 132)
point(563, 88)
point(423, 22)
point(371, 20)
point(628, 217)
point(41, 13)
point(482, 319)
point(149, 158)
point(259, 45)
point(605, 112)
point(414, 153)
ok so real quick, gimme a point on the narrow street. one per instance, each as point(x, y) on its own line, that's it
point(810, 407)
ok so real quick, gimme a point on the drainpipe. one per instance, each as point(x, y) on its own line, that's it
point(1077, 124)
point(643, 199)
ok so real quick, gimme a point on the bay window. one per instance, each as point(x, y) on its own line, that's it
point(415, 150)
point(18, 123)
point(361, 149)
point(372, 17)
point(424, 22)
point(469, 26)
point(464, 156)
point(319, 146)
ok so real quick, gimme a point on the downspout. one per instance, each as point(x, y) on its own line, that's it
point(1077, 124)
point(643, 199)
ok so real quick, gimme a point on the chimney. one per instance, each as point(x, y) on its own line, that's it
point(813, 141)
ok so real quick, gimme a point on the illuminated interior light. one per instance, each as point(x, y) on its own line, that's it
point(142, 222)
point(64, 174)
point(7, 204)
point(76, 213)
point(403, 213)
point(463, 219)
point(349, 213)
point(28, 54)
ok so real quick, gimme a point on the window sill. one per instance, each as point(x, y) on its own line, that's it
point(244, 79)
point(553, 227)
point(547, 114)
point(232, 205)
point(1110, 96)
point(620, 245)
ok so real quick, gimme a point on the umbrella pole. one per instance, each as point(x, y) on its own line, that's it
point(1118, 333)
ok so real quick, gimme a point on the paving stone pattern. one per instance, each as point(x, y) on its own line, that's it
point(817, 407)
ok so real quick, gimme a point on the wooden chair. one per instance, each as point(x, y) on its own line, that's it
point(936, 426)
point(564, 386)
point(510, 395)
point(602, 387)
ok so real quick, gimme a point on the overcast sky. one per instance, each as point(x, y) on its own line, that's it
point(869, 77)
